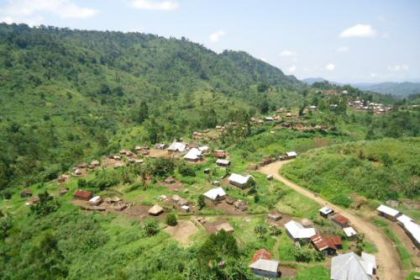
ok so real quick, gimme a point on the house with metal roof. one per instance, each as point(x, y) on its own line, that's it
point(388, 212)
point(351, 266)
point(298, 232)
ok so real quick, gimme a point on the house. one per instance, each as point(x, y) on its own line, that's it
point(268, 119)
point(78, 172)
point(353, 267)
point(262, 265)
point(388, 212)
point(170, 180)
point(94, 163)
point(411, 228)
point(220, 154)
point(349, 232)
point(156, 210)
point(96, 200)
point(204, 149)
point(83, 195)
point(327, 244)
point(32, 201)
point(225, 227)
point(298, 232)
point(193, 155)
point(413, 231)
point(160, 146)
point(177, 147)
point(26, 193)
point(63, 191)
point(241, 205)
point(291, 154)
point(215, 194)
point(325, 211)
point(223, 162)
point(186, 208)
point(274, 216)
point(239, 180)
point(63, 178)
point(340, 220)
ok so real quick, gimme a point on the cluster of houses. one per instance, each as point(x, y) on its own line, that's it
point(411, 228)
point(364, 105)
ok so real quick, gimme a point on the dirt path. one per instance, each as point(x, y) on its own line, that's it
point(387, 257)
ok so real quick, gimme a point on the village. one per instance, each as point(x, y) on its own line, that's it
point(227, 201)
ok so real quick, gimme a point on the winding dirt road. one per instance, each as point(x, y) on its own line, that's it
point(387, 257)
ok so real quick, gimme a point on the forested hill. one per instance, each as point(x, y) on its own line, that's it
point(65, 94)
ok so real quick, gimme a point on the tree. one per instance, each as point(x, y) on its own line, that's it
point(261, 231)
point(264, 107)
point(201, 201)
point(143, 112)
point(46, 205)
point(171, 219)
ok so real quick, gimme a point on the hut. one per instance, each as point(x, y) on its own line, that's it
point(240, 180)
point(26, 193)
point(156, 210)
point(326, 211)
point(340, 220)
point(274, 216)
point(83, 195)
point(223, 162)
point(215, 194)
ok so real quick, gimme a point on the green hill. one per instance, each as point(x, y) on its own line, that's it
point(381, 169)
point(65, 94)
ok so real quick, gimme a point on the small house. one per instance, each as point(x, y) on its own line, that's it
point(388, 212)
point(63, 178)
point(94, 163)
point(204, 149)
point(350, 266)
point(349, 232)
point(411, 228)
point(170, 180)
point(223, 162)
point(328, 245)
point(186, 208)
point(291, 154)
point(160, 146)
point(63, 191)
point(177, 147)
point(156, 210)
point(240, 180)
point(193, 155)
point(262, 264)
point(32, 201)
point(220, 154)
point(326, 211)
point(274, 216)
point(298, 232)
point(83, 195)
point(95, 201)
point(215, 194)
point(78, 172)
point(26, 193)
point(241, 205)
point(340, 220)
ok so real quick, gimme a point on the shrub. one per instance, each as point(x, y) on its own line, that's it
point(171, 219)
point(151, 227)
point(201, 201)
point(186, 170)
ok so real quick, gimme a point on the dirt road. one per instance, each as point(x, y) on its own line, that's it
point(387, 257)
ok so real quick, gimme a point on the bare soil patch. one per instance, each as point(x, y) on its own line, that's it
point(183, 231)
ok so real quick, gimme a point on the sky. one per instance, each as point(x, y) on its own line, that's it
point(339, 40)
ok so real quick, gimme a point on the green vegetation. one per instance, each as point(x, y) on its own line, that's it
point(380, 169)
point(68, 97)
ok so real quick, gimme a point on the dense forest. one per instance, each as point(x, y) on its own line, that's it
point(65, 94)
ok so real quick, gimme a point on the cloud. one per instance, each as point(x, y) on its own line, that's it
point(398, 68)
point(288, 53)
point(32, 11)
point(216, 36)
point(343, 49)
point(168, 5)
point(292, 69)
point(330, 67)
point(359, 31)
point(373, 75)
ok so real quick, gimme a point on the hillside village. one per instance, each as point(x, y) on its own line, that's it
point(128, 155)
point(329, 236)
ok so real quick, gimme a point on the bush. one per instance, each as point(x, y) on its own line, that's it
point(201, 201)
point(171, 219)
point(186, 170)
point(151, 227)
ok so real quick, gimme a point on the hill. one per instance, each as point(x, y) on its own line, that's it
point(401, 90)
point(380, 169)
point(65, 94)
point(311, 81)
